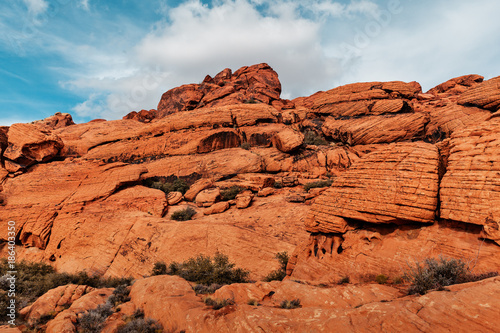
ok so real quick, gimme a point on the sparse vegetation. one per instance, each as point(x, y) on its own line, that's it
point(312, 138)
point(93, 320)
point(253, 302)
point(35, 279)
point(438, 273)
point(318, 184)
point(293, 304)
point(246, 146)
point(208, 271)
point(278, 185)
point(345, 280)
point(140, 325)
point(119, 295)
point(177, 185)
point(381, 279)
point(217, 303)
point(184, 214)
point(204, 289)
point(280, 273)
point(230, 193)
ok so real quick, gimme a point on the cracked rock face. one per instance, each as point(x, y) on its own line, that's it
point(412, 176)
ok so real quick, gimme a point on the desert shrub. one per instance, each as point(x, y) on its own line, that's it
point(381, 279)
point(93, 320)
point(344, 280)
point(141, 325)
point(278, 185)
point(183, 214)
point(119, 295)
point(312, 138)
point(481, 276)
point(217, 303)
point(436, 274)
point(207, 271)
point(293, 304)
point(159, 268)
point(246, 146)
point(177, 185)
point(230, 193)
point(280, 273)
point(204, 289)
point(35, 279)
point(319, 183)
point(253, 302)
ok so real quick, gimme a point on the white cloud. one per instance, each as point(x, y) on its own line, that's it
point(84, 4)
point(36, 7)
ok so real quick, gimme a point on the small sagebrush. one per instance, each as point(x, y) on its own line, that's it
point(312, 138)
point(436, 274)
point(183, 214)
point(293, 304)
point(280, 273)
point(230, 193)
point(318, 184)
point(93, 320)
point(141, 325)
point(217, 303)
point(207, 270)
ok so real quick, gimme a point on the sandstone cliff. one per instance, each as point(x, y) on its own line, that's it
point(413, 175)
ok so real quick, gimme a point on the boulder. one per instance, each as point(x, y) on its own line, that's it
point(288, 140)
point(58, 120)
point(174, 198)
point(243, 199)
point(266, 192)
point(197, 187)
point(217, 208)
point(485, 95)
point(208, 197)
point(143, 116)
point(28, 144)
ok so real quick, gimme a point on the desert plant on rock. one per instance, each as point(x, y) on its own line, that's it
point(119, 295)
point(435, 274)
point(381, 279)
point(93, 320)
point(217, 303)
point(208, 271)
point(184, 214)
point(177, 185)
point(230, 193)
point(317, 184)
point(312, 138)
point(141, 325)
point(280, 273)
point(293, 304)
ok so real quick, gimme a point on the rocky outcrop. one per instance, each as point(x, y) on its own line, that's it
point(394, 184)
point(143, 116)
point(254, 84)
point(469, 189)
point(288, 140)
point(172, 301)
point(58, 120)
point(377, 129)
point(485, 95)
point(457, 85)
point(28, 144)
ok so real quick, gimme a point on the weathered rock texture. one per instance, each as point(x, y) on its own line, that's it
point(413, 176)
point(254, 84)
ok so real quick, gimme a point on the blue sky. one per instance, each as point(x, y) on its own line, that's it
point(103, 59)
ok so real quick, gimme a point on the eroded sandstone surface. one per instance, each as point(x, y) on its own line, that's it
point(406, 175)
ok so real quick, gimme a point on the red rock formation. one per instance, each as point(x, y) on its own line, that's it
point(253, 84)
point(144, 116)
point(485, 95)
point(469, 189)
point(457, 85)
point(58, 120)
